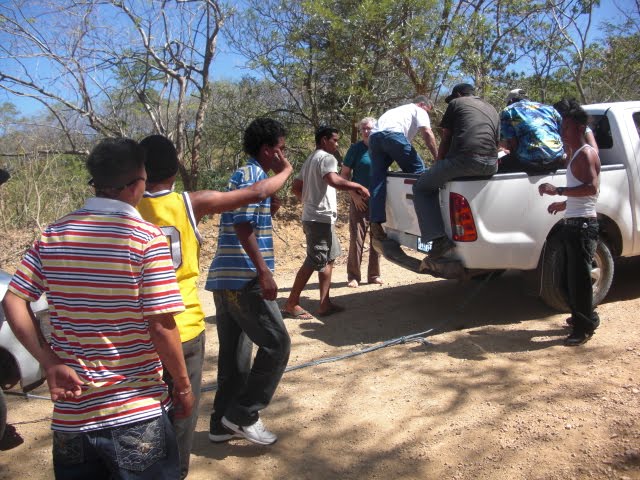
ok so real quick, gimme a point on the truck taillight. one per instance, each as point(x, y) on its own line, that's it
point(463, 227)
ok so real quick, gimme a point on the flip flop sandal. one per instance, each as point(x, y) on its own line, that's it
point(301, 315)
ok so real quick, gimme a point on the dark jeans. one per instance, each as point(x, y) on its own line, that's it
point(193, 352)
point(580, 239)
point(143, 450)
point(384, 149)
point(245, 311)
point(426, 190)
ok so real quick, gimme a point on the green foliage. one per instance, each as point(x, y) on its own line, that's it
point(319, 61)
point(614, 72)
point(42, 188)
point(234, 105)
point(214, 180)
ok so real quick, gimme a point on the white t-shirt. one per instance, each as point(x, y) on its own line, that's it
point(318, 197)
point(406, 119)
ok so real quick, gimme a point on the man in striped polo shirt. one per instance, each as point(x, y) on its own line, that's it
point(244, 291)
point(178, 216)
point(112, 293)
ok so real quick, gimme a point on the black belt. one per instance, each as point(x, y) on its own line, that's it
point(580, 221)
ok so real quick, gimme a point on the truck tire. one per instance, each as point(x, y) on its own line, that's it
point(552, 278)
point(3, 414)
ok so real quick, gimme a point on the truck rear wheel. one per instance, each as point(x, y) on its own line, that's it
point(553, 273)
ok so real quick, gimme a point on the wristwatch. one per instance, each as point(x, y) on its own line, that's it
point(560, 190)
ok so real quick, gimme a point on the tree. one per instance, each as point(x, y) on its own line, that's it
point(496, 39)
point(567, 16)
point(612, 71)
point(234, 105)
point(338, 61)
point(88, 59)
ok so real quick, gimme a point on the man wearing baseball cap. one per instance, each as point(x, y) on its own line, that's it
point(468, 147)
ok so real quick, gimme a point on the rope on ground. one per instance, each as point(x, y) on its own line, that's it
point(26, 395)
point(38, 420)
point(415, 337)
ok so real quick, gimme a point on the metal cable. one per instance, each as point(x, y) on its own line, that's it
point(415, 337)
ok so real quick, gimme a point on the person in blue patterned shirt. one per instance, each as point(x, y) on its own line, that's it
point(244, 291)
point(530, 132)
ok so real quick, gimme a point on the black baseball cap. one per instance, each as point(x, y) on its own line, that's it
point(463, 89)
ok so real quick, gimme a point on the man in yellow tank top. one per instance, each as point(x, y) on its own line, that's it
point(178, 216)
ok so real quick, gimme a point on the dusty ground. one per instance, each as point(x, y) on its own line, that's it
point(491, 393)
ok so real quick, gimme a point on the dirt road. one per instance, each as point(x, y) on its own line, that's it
point(491, 393)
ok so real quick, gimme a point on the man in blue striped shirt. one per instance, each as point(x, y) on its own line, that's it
point(244, 291)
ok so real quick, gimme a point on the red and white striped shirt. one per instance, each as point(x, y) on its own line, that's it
point(104, 270)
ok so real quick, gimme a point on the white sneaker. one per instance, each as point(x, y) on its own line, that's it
point(218, 433)
point(256, 433)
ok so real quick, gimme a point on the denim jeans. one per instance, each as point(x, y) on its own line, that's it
point(384, 149)
point(235, 376)
point(143, 450)
point(245, 311)
point(425, 190)
point(580, 239)
point(193, 351)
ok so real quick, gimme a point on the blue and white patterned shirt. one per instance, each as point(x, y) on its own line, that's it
point(232, 268)
point(536, 127)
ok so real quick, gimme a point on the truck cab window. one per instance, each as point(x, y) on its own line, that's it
point(601, 131)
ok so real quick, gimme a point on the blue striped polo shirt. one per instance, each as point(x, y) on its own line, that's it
point(232, 268)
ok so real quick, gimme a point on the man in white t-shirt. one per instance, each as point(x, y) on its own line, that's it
point(316, 186)
point(390, 141)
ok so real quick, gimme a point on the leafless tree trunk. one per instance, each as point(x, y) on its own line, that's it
point(107, 61)
point(566, 15)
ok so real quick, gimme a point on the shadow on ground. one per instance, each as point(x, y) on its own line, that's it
point(487, 399)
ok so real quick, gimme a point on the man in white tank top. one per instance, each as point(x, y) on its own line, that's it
point(579, 231)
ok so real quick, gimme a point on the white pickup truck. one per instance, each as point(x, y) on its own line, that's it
point(501, 222)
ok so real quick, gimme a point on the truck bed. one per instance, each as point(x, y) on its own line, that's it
point(510, 216)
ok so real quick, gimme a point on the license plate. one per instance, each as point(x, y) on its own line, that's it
point(424, 247)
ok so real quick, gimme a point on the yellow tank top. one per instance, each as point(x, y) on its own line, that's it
point(172, 212)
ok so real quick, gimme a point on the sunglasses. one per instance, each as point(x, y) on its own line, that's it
point(92, 183)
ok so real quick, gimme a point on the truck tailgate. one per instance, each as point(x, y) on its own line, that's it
point(510, 217)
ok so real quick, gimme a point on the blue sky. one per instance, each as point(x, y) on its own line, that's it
point(230, 66)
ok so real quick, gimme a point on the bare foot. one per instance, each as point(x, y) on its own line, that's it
point(352, 283)
point(376, 281)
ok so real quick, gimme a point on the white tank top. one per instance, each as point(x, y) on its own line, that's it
point(579, 206)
